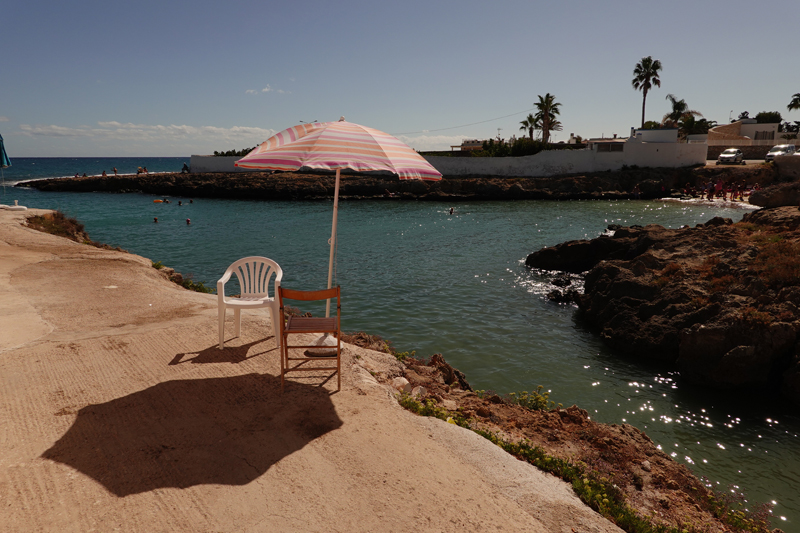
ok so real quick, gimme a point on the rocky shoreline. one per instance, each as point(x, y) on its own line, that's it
point(649, 481)
point(653, 183)
point(719, 301)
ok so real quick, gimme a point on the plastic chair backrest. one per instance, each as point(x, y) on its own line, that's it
point(254, 273)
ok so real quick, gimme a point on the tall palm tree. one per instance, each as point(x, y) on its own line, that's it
point(679, 110)
point(529, 124)
point(645, 75)
point(548, 110)
point(795, 103)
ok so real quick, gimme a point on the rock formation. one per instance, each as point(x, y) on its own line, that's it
point(720, 300)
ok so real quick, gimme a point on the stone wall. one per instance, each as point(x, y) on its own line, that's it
point(730, 131)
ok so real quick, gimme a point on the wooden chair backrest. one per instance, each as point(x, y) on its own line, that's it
point(307, 296)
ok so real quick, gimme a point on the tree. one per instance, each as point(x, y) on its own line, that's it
point(769, 117)
point(530, 124)
point(645, 75)
point(548, 110)
point(795, 103)
point(688, 125)
point(743, 115)
point(788, 127)
point(680, 110)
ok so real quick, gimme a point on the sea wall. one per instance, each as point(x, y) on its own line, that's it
point(544, 164)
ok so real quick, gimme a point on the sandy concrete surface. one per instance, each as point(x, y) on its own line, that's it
point(119, 413)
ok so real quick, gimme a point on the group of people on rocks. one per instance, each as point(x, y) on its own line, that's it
point(104, 174)
point(720, 189)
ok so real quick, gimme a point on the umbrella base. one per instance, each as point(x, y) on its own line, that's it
point(327, 348)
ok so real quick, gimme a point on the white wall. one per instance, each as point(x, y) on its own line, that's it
point(555, 162)
point(670, 155)
point(666, 135)
point(543, 164)
point(749, 130)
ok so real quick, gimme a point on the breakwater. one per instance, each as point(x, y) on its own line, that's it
point(653, 183)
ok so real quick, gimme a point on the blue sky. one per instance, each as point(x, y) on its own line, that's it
point(168, 78)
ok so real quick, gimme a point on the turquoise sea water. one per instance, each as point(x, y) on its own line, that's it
point(457, 285)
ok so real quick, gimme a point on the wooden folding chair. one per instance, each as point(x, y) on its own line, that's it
point(302, 324)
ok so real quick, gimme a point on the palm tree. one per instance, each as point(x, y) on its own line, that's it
point(645, 75)
point(548, 110)
point(795, 103)
point(529, 124)
point(679, 111)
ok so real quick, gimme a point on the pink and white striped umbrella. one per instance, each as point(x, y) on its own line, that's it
point(334, 146)
point(338, 145)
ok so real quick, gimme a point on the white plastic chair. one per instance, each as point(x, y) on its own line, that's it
point(254, 274)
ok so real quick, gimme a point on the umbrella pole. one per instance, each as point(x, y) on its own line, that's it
point(327, 343)
point(333, 239)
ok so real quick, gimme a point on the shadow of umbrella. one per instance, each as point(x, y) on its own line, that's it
point(226, 431)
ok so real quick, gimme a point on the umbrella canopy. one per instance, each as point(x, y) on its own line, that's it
point(334, 146)
point(338, 145)
point(4, 160)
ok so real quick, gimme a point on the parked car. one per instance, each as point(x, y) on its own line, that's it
point(780, 149)
point(733, 156)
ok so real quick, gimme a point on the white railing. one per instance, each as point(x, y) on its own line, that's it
point(750, 142)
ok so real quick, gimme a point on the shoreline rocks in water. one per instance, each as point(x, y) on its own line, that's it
point(654, 183)
point(720, 301)
point(649, 480)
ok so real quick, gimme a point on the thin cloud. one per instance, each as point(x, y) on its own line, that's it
point(266, 89)
point(4, 119)
point(148, 132)
point(251, 91)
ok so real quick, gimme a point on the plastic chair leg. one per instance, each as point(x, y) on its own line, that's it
point(276, 329)
point(237, 318)
point(221, 327)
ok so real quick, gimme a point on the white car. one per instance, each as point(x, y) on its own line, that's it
point(732, 156)
point(780, 149)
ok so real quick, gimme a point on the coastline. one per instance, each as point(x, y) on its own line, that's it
point(654, 183)
point(121, 412)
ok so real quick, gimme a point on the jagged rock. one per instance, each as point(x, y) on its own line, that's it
point(451, 375)
point(777, 195)
point(703, 298)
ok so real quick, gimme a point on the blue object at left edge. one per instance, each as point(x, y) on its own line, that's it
point(4, 160)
